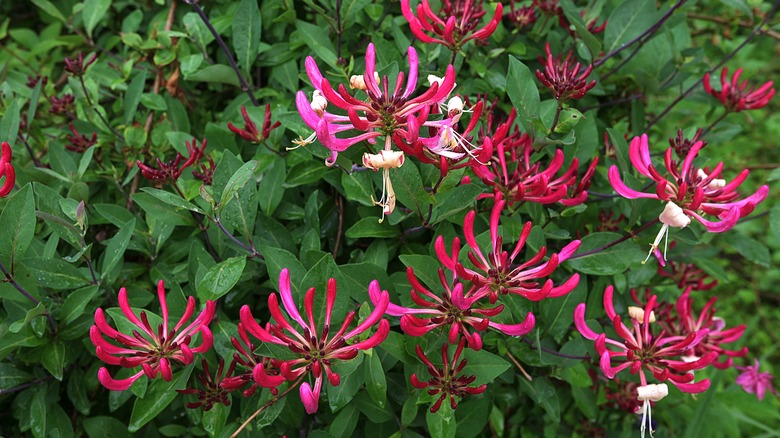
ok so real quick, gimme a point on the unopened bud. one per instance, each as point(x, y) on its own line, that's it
point(652, 392)
point(689, 359)
point(383, 160)
point(638, 314)
point(715, 184)
point(433, 79)
point(674, 216)
point(318, 102)
point(359, 81)
point(81, 215)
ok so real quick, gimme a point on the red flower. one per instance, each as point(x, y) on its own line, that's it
point(246, 357)
point(63, 105)
point(498, 273)
point(206, 173)
point(462, 17)
point(316, 349)
point(562, 78)
point(521, 17)
point(212, 392)
point(77, 66)
point(153, 350)
point(735, 96)
point(172, 170)
point(6, 170)
point(250, 132)
point(79, 142)
point(640, 350)
point(682, 145)
point(445, 380)
point(687, 275)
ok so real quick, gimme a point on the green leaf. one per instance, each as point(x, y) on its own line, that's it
point(116, 248)
point(556, 313)
point(10, 376)
point(31, 314)
point(345, 422)
point(371, 228)
point(103, 426)
point(522, 91)
point(217, 73)
point(272, 186)
point(247, 25)
point(442, 423)
point(133, 96)
point(455, 201)
point(215, 418)
point(92, 12)
point(408, 186)
point(277, 259)
point(749, 248)
point(76, 301)
point(237, 182)
point(173, 199)
point(628, 21)
point(48, 7)
point(9, 125)
point(160, 211)
point(318, 41)
point(38, 409)
point(351, 382)
point(221, 278)
point(358, 187)
point(486, 366)
point(53, 358)
point(610, 261)
point(158, 396)
point(55, 274)
point(572, 15)
point(376, 384)
point(306, 172)
point(18, 225)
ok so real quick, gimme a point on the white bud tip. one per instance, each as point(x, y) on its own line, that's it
point(638, 313)
point(674, 216)
point(652, 392)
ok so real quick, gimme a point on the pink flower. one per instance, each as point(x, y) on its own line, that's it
point(250, 132)
point(6, 169)
point(734, 95)
point(172, 170)
point(246, 357)
point(212, 391)
point(521, 17)
point(498, 274)
point(384, 112)
point(445, 380)
point(693, 190)
point(316, 349)
point(153, 350)
point(462, 17)
point(562, 78)
point(640, 350)
point(754, 382)
point(718, 334)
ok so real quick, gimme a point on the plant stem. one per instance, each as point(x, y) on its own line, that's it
point(267, 404)
point(94, 108)
point(712, 125)
point(630, 235)
point(753, 34)
point(649, 32)
point(556, 118)
point(10, 278)
point(199, 221)
point(250, 249)
point(244, 84)
point(553, 352)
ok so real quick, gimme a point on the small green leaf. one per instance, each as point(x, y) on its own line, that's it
point(247, 27)
point(236, 182)
point(18, 225)
point(215, 418)
point(272, 186)
point(319, 42)
point(38, 408)
point(133, 96)
point(103, 426)
point(442, 423)
point(409, 186)
point(53, 358)
point(92, 12)
point(345, 422)
point(9, 124)
point(48, 7)
point(217, 73)
point(371, 228)
point(55, 274)
point(158, 396)
point(610, 261)
point(74, 304)
point(376, 384)
point(486, 366)
point(116, 248)
point(522, 91)
point(36, 311)
point(172, 199)
point(221, 278)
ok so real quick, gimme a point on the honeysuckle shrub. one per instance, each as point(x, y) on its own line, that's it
point(454, 218)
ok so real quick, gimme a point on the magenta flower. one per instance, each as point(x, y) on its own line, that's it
point(454, 309)
point(62, 105)
point(561, 77)
point(690, 192)
point(640, 350)
point(6, 169)
point(172, 170)
point(212, 392)
point(317, 349)
point(521, 17)
point(250, 132)
point(153, 350)
point(246, 357)
point(454, 25)
point(383, 113)
point(79, 142)
point(718, 333)
point(77, 66)
point(445, 380)
point(754, 382)
point(498, 274)
point(737, 97)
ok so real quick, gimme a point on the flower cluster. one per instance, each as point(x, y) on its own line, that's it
point(690, 192)
point(454, 25)
point(754, 382)
point(563, 77)
point(250, 132)
point(6, 170)
point(445, 380)
point(737, 96)
point(315, 349)
point(154, 350)
point(172, 170)
point(79, 142)
point(77, 65)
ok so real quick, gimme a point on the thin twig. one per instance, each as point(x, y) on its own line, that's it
point(339, 231)
point(250, 249)
point(267, 404)
point(630, 235)
point(742, 23)
point(17, 286)
point(519, 367)
point(553, 352)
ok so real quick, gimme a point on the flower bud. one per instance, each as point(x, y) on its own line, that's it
point(454, 106)
point(715, 184)
point(674, 216)
point(383, 160)
point(638, 314)
point(359, 81)
point(652, 392)
point(318, 102)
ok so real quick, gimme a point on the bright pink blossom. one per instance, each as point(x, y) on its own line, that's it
point(497, 273)
point(738, 97)
point(454, 25)
point(445, 380)
point(153, 350)
point(640, 349)
point(316, 349)
point(693, 190)
point(754, 382)
point(6, 169)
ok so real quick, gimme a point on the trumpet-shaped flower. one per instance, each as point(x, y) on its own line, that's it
point(497, 274)
point(754, 382)
point(153, 350)
point(212, 392)
point(172, 170)
point(445, 380)
point(564, 78)
point(642, 350)
point(250, 132)
point(246, 357)
point(316, 349)
point(6, 169)
point(737, 96)
point(454, 25)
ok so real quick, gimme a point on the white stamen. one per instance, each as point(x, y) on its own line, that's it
point(648, 393)
point(387, 201)
point(303, 141)
point(672, 216)
point(638, 314)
